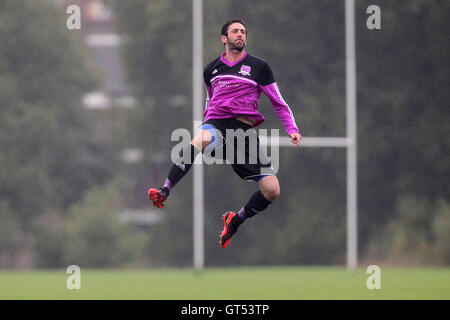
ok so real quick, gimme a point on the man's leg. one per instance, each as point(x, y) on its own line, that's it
point(181, 167)
point(269, 187)
point(258, 202)
point(259, 171)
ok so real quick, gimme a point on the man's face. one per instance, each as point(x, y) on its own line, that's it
point(236, 39)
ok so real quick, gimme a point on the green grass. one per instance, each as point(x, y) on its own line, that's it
point(229, 283)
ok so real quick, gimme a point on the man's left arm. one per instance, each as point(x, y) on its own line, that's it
point(282, 109)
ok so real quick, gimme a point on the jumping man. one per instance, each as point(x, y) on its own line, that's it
point(234, 82)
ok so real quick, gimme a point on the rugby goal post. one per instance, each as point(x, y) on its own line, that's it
point(349, 142)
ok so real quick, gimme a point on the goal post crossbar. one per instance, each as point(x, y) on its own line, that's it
point(336, 142)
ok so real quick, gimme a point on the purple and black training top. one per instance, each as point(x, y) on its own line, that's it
point(234, 88)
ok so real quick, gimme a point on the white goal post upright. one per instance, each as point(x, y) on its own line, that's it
point(352, 188)
point(348, 142)
point(197, 115)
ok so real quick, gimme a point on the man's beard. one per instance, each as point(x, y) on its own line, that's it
point(236, 46)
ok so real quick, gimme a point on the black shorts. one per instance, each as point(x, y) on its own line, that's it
point(237, 143)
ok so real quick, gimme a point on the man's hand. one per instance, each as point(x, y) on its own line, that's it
point(296, 137)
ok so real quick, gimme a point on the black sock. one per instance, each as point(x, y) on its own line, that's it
point(181, 166)
point(256, 204)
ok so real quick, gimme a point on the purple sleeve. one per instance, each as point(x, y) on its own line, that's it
point(281, 108)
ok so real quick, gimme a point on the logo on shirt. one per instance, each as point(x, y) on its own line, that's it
point(215, 71)
point(245, 70)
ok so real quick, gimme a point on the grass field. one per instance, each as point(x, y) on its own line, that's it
point(287, 283)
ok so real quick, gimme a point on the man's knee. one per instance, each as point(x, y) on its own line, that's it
point(202, 139)
point(270, 187)
point(272, 192)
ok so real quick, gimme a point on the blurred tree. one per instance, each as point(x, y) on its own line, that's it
point(51, 240)
point(12, 237)
point(441, 236)
point(156, 49)
point(95, 237)
point(47, 156)
point(402, 111)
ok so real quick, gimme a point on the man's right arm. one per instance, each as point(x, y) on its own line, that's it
point(207, 86)
point(208, 95)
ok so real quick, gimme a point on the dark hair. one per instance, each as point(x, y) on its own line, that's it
point(228, 23)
